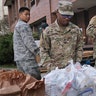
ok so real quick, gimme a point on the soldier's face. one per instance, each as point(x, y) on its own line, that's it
point(25, 16)
point(62, 20)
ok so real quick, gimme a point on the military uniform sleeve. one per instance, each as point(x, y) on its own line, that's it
point(26, 35)
point(45, 48)
point(79, 46)
point(91, 32)
point(91, 29)
point(41, 39)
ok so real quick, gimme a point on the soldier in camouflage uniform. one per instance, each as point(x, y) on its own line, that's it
point(25, 48)
point(43, 26)
point(91, 32)
point(62, 41)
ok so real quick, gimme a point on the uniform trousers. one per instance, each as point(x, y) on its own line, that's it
point(29, 67)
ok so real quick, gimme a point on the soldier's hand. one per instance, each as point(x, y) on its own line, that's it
point(38, 58)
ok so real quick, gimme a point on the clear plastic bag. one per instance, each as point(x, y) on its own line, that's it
point(74, 80)
point(72, 92)
point(51, 83)
point(58, 81)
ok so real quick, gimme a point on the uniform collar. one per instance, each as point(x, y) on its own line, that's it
point(21, 21)
point(63, 29)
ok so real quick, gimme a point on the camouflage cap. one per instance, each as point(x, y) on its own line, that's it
point(93, 20)
point(65, 7)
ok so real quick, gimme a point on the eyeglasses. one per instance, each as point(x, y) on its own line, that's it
point(67, 16)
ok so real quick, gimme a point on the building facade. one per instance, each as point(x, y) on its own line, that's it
point(3, 10)
point(3, 18)
point(44, 11)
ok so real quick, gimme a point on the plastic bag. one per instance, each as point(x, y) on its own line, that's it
point(72, 92)
point(74, 80)
point(59, 81)
point(90, 72)
point(50, 83)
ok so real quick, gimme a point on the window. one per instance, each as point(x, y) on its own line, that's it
point(32, 2)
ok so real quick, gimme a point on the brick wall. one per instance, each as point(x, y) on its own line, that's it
point(44, 8)
point(40, 11)
point(54, 4)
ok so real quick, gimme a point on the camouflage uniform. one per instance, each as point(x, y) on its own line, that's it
point(25, 49)
point(91, 32)
point(60, 44)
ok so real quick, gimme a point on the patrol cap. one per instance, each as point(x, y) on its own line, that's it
point(93, 20)
point(65, 7)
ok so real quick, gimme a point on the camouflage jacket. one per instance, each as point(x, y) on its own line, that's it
point(24, 45)
point(59, 45)
point(91, 32)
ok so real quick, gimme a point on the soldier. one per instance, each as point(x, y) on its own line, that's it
point(25, 48)
point(91, 32)
point(62, 40)
point(43, 26)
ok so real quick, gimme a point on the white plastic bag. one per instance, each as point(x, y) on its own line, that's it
point(74, 80)
point(90, 72)
point(59, 81)
point(50, 83)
